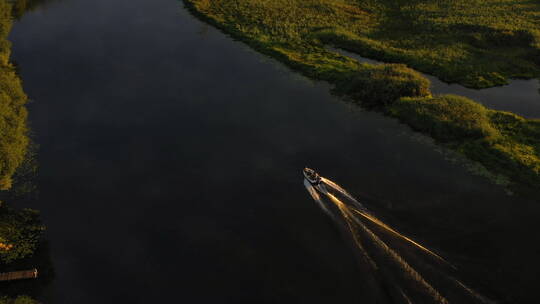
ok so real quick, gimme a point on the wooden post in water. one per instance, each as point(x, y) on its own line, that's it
point(19, 275)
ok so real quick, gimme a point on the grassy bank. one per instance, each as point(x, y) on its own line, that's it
point(503, 142)
point(479, 43)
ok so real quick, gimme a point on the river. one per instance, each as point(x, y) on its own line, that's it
point(170, 168)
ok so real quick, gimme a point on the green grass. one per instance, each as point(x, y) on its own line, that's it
point(478, 43)
point(504, 142)
point(475, 43)
point(447, 118)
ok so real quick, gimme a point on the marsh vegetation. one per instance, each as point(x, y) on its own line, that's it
point(477, 43)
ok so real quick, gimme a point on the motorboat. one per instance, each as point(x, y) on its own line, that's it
point(315, 180)
point(312, 177)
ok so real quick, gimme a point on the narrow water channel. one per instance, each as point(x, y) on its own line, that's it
point(170, 166)
point(520, 96)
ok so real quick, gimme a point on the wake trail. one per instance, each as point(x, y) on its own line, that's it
point(359, 245)
point(316, 197)
point(387, 228)
point(410, 277)
point(365, 214)
point(338, 188)
point(412, 274)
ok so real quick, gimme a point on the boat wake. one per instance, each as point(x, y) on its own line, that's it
point(404, 270)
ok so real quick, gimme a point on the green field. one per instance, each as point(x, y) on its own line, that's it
point(475, 43)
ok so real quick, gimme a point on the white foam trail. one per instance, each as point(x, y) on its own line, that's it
point(338, 188)
point(476, 295)
point(365, 213)
point(359, 245)
point(405, 297)
point(316, 197)
point(400, 262)
point(355, 214)
point(387, 228)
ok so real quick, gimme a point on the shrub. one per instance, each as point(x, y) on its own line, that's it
point(446, 118)
point(381, 85)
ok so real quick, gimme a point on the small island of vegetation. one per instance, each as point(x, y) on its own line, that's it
point(475, 43)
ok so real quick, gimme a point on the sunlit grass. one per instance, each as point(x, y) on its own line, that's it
point(503, 142)
point(476, 43)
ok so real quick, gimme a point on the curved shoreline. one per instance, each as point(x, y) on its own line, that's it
point(505, 143)
point(502, 98)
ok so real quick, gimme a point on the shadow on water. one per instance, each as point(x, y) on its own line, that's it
point(520, 96)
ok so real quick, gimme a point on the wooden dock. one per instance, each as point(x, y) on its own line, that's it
point(19, 275)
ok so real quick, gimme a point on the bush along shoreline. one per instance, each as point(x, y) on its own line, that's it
point(504, 143)
point(13, 115)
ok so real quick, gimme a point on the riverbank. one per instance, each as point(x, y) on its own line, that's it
point(479, 44)
point(20, 230)
point(296, 33)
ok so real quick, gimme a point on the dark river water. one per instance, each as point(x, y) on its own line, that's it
point(170, 167)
